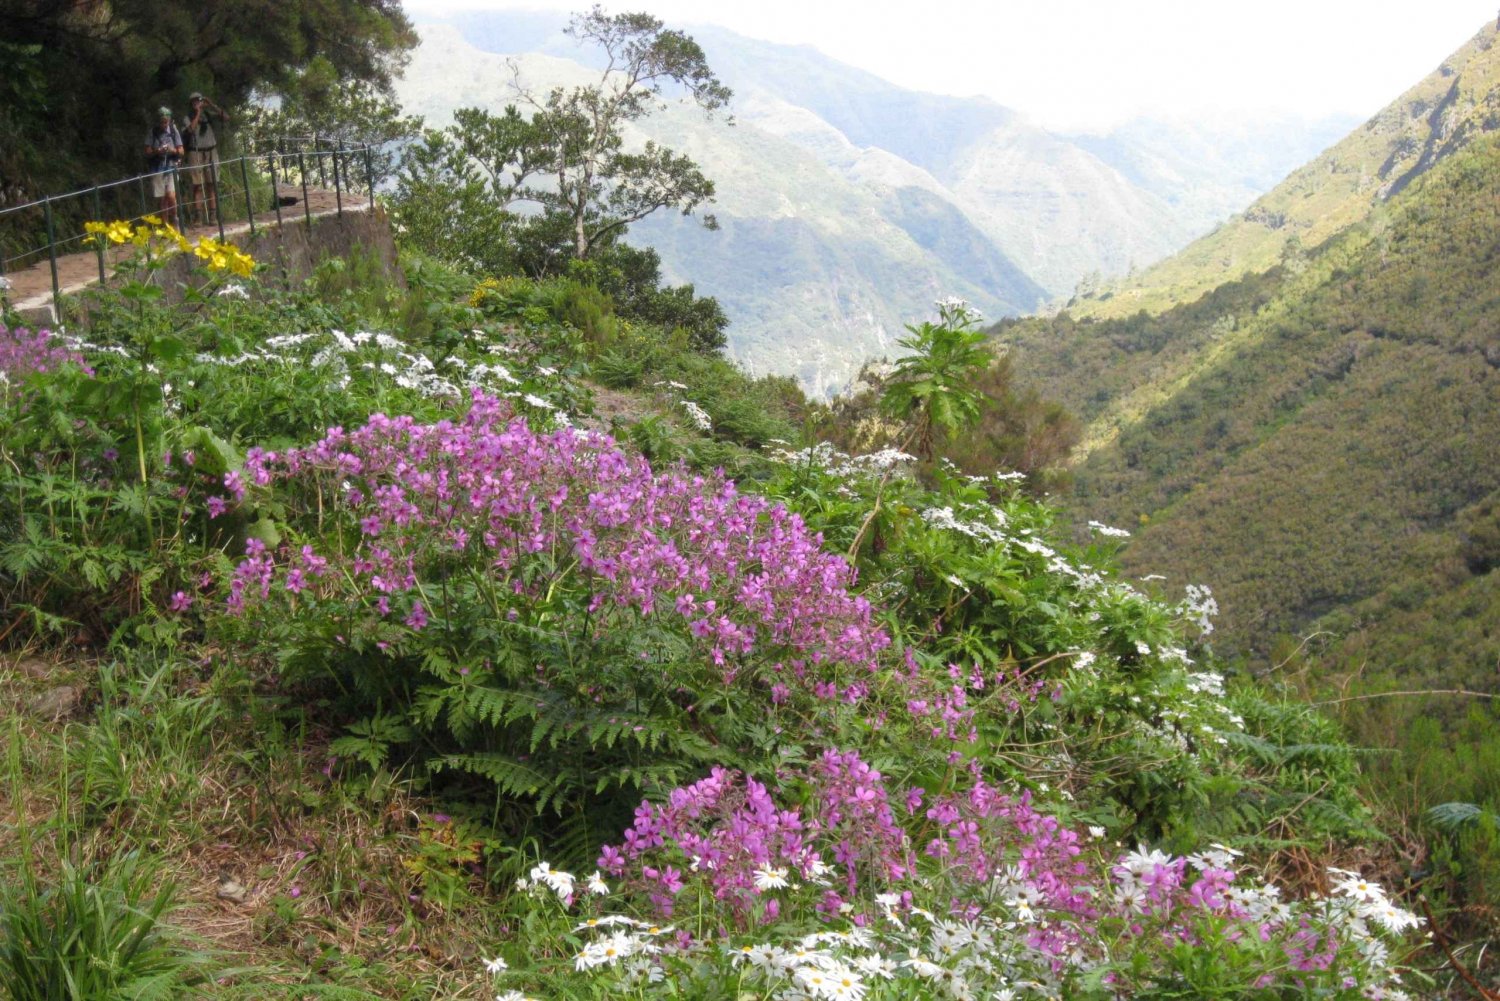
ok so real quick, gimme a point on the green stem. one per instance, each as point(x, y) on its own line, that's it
point(140, 454)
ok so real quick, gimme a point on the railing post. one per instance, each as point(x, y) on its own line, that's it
point(249, 203)
point(177, 190)
point(275, 187)
point(99, 239)
point(302, 169)
point(338, 195)
point(218, 197)
point(52, 257)
point(370, 175)
point(271, 169)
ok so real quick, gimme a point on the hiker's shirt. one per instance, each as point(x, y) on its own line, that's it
point(159, 137)
point(201, 139)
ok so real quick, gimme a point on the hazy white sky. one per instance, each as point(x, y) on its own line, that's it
point(1076, 63)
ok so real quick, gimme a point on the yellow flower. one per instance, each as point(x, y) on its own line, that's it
point(221, 255)
point(151, 220)
point(482, 291)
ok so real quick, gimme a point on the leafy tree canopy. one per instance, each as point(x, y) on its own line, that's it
point(561, 156)
point(92, 71)
point(548, 184)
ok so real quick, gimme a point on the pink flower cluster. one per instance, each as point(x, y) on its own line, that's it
point(993, 859)
point(25, 352)
point(743, 576)
point(727, 831)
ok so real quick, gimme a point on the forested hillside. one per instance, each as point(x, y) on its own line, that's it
point(1318, 436)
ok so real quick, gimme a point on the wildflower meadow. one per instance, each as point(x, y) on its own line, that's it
point(697, 705)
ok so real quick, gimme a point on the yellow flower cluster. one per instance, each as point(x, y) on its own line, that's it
point(482, 291)
point(509, 287)
point(220, 255)
point(115, 232)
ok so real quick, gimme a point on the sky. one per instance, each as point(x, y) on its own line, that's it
point(1079, 64)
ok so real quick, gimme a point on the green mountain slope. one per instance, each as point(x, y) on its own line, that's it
point(1439, 116)
point(1321, 438)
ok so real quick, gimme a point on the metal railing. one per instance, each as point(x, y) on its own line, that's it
point(248, 185)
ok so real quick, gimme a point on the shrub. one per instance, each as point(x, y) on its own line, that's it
point(545, 612)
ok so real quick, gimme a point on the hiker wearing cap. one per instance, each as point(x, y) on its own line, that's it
point(163, 153)
point(203, 156)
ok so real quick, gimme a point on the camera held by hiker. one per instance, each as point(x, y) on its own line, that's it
point(203, 157)
point(163, 154)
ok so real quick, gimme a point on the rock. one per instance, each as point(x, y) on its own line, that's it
point(232, 890)
point(56, 703)
point(35, 667)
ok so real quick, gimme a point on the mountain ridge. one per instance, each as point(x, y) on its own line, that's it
point(1030, 211)
point(1430, 120)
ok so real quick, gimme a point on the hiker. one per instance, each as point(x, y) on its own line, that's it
point(202, 157)
point(163, 153)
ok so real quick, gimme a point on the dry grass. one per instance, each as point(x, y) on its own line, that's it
point(331, 892)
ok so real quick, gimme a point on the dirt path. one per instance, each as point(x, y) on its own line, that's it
point(31, 288)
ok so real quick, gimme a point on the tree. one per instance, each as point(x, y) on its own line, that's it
point(577, 140)
point(631, 277)
point(106, 64)
point(935, 386)
point(561, 171)
point(554, 187)
point(1018, 431)
point(349, 112)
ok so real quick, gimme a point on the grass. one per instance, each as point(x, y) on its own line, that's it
point(185, 777)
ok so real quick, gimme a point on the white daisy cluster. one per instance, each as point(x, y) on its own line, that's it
point(1016, 945)
point(613, 948)
point(1114, 533)
point(698, 416)
point(340, 354)
point(950, 958)
point(1176, 715)
point(1199, 608)
point(825, 457)
point(1371, 903)
point(945, 519)
point(808, 969)
point(957, 311)
point(543, 875)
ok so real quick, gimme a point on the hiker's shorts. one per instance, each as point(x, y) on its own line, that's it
point(203, 166)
